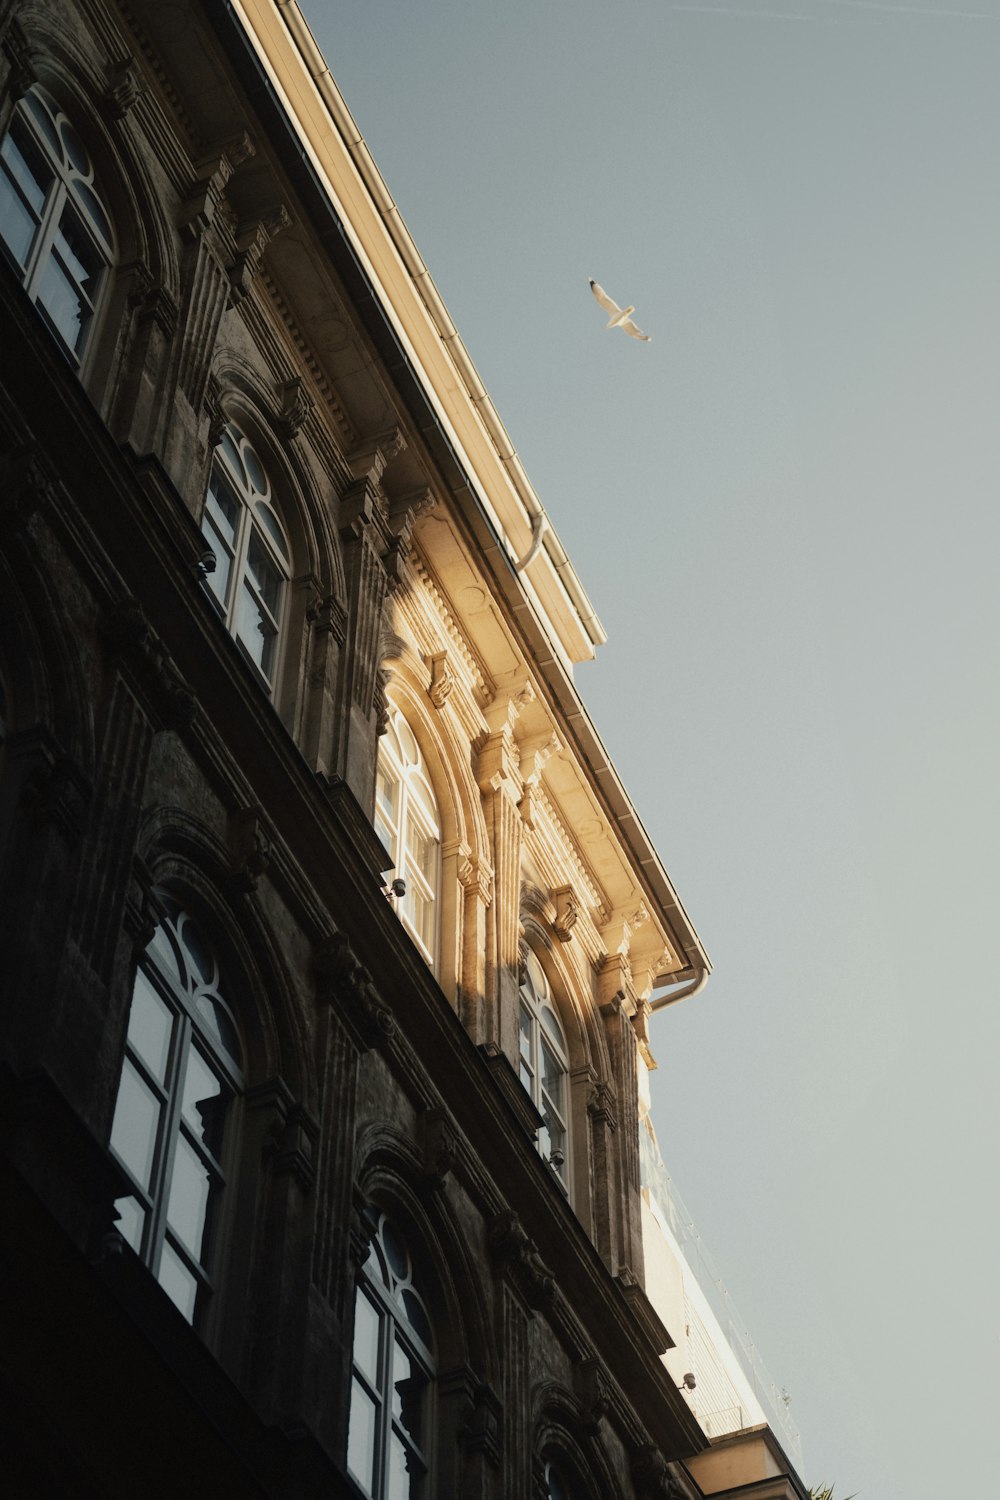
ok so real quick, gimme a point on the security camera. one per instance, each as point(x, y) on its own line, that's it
point(398, 887)
point(688, 1383)
point(205, 564)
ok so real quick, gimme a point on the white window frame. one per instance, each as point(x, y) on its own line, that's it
point(240, 482)
point(540, 1032)
point(181, 1037)
point(407, 819)
point(70, 196)
point(390, 1424)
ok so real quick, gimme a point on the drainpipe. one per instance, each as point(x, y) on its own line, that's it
point(658, 1002)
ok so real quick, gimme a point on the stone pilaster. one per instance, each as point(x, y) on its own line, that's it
point(499, 776)
point(365, 536)
point(618, 1006)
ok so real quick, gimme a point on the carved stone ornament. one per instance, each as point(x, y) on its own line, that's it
point(364, 1227)
point(341, 978)
point(296, 406)
point(129, 637)
point(440, 1148)
point(442, 680)
point(567, 912)
point(250, 841)
point(125, 87)
point(149, 299)
point(651, 1475)
point(251, 241)
point(602, 1105)
point(593, 1389)
point(27, 485)
point(518, 1256)
point(479, 1431)
point(291, 1134)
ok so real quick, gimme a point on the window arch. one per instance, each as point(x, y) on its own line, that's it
point(171, 1130)
point(253, 560)
point(544, 1067)
point(53, 223)
point(407, 821)
point(556, 1486)
point(392, 1370)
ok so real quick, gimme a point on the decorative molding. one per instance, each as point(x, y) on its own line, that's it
point(251, 843)
point(296, 406)
point(517, 1256)
point(440, 1146)
point(125, 87)
point(130, 638)
point(22, 58)
point(292, 1134)
point(593, 1390)
point(567, 912)
point(27, 486)
point(442, 680)
point(341, 978)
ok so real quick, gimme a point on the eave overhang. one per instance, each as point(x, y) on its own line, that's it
point(287, 79)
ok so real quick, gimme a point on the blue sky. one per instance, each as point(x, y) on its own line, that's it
point(784, 510)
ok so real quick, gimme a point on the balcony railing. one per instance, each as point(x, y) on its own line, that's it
point(774, 1399)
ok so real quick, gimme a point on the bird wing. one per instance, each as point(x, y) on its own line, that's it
point(609, 305)
point(635, 332)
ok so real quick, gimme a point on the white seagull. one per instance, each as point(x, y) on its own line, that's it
point(620, 317)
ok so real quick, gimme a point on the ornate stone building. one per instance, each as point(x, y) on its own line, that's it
point(328, 935)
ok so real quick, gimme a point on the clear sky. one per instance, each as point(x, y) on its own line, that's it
point(784, 509)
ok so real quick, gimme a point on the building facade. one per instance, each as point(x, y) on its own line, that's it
point(328, 935)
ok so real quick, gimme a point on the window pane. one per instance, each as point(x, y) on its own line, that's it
point(223, 506)
point(421, 913)
point(552, 1075)
point(397, 1480)
point(386, 794)
point(525, 1033)
point(367, 1322)
point(421, 850)
point(361, 1437)
point(190, 1188)
point(131, 1217)
point(204, 1103)
point(417, 1316)
point(27, 166)
point(17, 226)
point(43, 119)
point(133, 1133)
point(64, 302)
point(255, 471)
point(232, 453)
point(216, 1020)
point(272, 526)
point(150, 1024)
point(396, 1251)
point(180, 1284)
point(256, 631)
point(94, 211)
point(264, 574)
point(218, 579)
point(162, 948)
point(74, 148)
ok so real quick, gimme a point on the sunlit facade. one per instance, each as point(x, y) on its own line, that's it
point(329, 933)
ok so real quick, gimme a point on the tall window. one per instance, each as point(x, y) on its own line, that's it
point(544, 1066)
point(252, 555)
point(182, 1070)
point(406, 819)
point(53, 224)
point(387, 1446)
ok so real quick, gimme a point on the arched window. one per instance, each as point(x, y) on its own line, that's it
point(253, 560)
point(182, 1070)
point(406, 819)
point(544, 1067)
point(53, 224)
point(393, 1366)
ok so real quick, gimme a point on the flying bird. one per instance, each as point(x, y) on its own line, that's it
point(620, 317)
